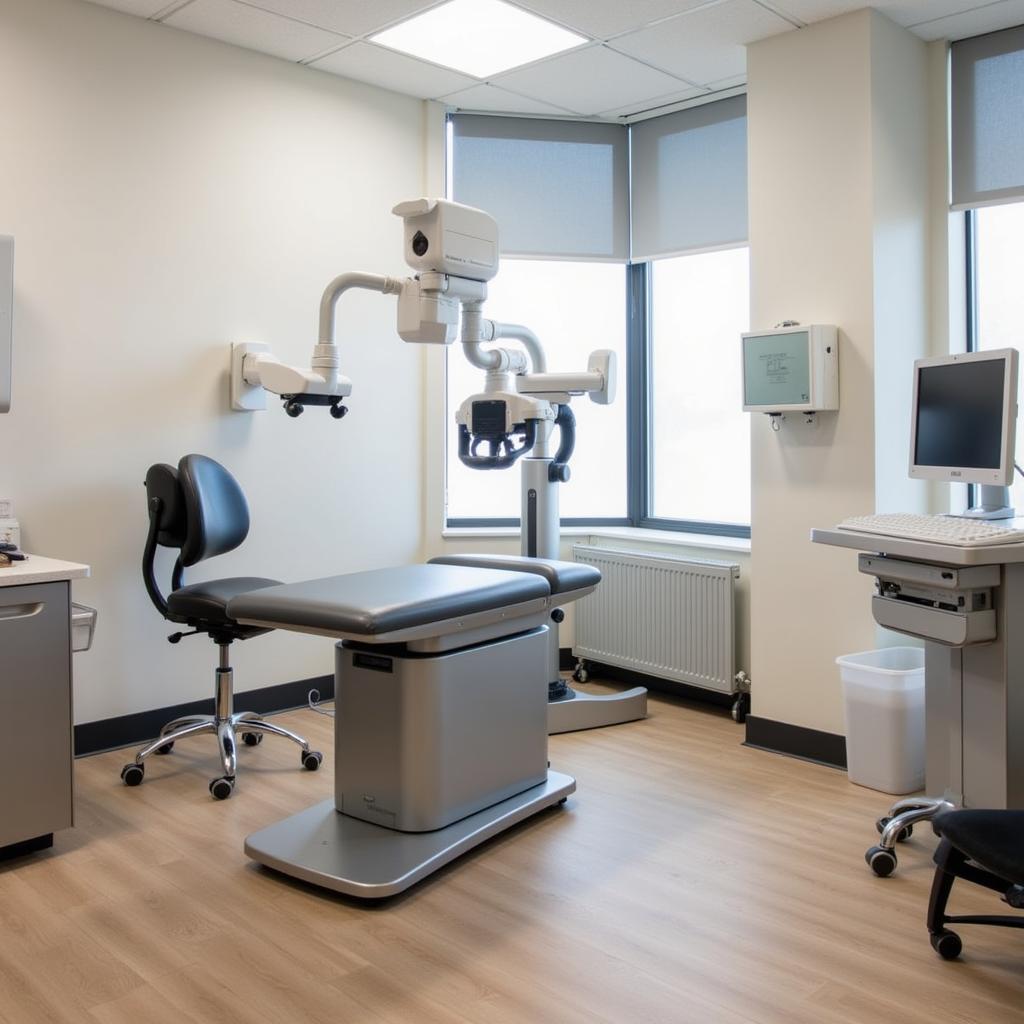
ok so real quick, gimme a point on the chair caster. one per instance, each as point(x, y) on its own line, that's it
point(580, 674)
point(222, 788)
point(881, 861)
point(165, 749)
point(947, 944)
point(311, 760)
point(132, 774)
point(252, 739)
point(905, 833)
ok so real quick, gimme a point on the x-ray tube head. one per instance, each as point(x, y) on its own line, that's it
point(443, 237)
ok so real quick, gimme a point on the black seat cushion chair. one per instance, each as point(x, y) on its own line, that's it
point(200, 510)
point(984, 847)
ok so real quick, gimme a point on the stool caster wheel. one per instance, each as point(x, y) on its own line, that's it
point(905, 833)
point(132, 774)
point(165, 749)
point(252, 739)
point(881, 861)
point(311, 760)
point(222, 788)
point(580, 674)
point(947, 944)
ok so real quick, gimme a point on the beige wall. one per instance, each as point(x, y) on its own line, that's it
point(170, 194)
point(839, 187)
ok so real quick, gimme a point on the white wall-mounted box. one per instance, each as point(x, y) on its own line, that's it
point(791, 369)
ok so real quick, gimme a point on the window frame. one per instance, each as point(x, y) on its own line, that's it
point(639, 416)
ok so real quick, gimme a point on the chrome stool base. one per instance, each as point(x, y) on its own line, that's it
point(224, 723)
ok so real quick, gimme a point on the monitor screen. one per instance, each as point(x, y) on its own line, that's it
point(964, 418)
point(960, 414)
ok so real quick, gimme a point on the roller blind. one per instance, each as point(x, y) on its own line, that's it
point(988, 119)
point(558, 189)
point(690, 179)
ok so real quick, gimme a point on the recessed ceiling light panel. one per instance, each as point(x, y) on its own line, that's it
point(478, 37)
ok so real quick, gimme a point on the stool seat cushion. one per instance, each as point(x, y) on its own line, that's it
point(992, 839)
point(208, 601)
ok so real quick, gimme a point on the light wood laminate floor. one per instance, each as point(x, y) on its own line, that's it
point(689, 879)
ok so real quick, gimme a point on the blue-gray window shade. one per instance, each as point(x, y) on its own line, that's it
point(558, 189)
point(690, 179)
point(987, 111)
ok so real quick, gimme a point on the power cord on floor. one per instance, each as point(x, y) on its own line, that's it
point(315, 704)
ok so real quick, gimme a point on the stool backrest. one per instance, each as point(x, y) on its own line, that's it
point(197, 508)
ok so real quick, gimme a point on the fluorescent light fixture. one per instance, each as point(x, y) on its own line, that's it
point(478, 37)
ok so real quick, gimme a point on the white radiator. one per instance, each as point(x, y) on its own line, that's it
point(673, 618)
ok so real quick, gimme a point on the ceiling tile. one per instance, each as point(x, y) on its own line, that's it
point(590, 80)
point(395, 71)
point(492, 98)
point(350, 17)
point(606, 18)
point(657, 101)
point(254, 29)
point(706, 44)
point(903, 12)
point(143, 8)
point(988, 18)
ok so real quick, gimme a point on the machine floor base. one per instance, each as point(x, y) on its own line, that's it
point(591, 711)
point(322, 846)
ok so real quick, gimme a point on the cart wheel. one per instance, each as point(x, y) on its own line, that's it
point(741, 708)
point(881, 861)
point(947, 944)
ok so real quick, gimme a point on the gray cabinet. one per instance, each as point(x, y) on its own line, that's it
point(35, 712)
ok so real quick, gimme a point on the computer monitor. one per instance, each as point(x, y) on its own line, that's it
point(964, 420)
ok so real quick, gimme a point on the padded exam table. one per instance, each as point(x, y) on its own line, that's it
point(441, 714)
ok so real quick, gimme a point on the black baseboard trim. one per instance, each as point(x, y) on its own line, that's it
point(26, 847)
point(128, 730)
point(825, 748)
point(653, 683)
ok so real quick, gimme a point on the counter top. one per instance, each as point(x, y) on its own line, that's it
point(36, 569)
point(923, 551)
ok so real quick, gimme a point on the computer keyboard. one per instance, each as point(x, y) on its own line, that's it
point(964, 533)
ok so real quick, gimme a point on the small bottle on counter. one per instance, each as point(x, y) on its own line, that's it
point(10, 531)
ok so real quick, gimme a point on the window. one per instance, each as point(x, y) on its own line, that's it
point(657, 272)
point(573, 308)
point(997, 237)
point(699, 437)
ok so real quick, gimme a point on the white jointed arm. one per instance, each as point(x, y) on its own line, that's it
point(255, 369)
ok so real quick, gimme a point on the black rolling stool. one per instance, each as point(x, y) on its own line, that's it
point(199, 509)
point(987, 848)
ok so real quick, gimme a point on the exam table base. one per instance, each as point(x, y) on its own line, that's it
point(326, 848)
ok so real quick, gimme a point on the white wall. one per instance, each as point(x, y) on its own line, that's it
point(168, 195)
point(839, 187)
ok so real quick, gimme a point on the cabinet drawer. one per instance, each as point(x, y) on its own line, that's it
point(35, 711)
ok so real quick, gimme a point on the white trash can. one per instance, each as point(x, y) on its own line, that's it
point(883, 695)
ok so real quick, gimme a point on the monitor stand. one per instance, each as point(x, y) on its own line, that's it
point(995, 504)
